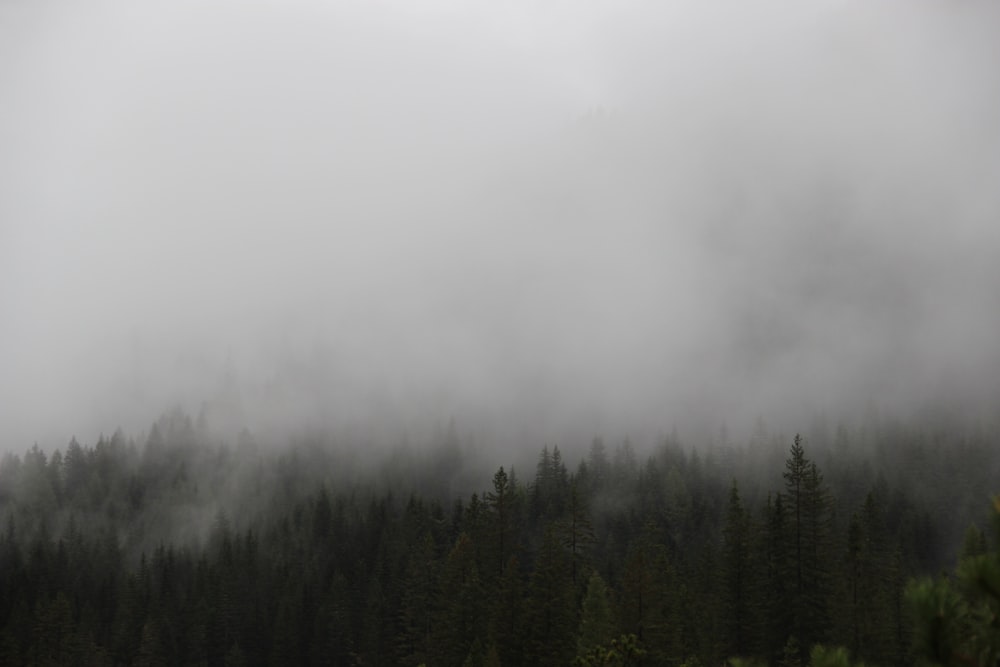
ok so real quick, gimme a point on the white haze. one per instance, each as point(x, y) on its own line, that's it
point(546, 220)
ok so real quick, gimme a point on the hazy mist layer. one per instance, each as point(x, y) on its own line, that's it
point(545, 221)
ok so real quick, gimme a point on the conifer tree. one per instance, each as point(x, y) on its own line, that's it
point(551, 612)
point(576, 531)
point(737, 576)
point(597, 626)
point(807, 505)
point(598, 465)
point(461, 613)
point(650, 600)
point(957, 621)
point(508, 615)
point(866, 576)
point(418, 604)
point(499, 501)
point(778, 586)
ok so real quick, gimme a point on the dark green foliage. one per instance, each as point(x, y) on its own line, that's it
point(956, 620)
point(551, 607)
point(597, 625)
point(576, 532)
point(807, 531)
point(462, 616)
point(738, 593)
point(509, 618)
point(651, 600)
point(418, 604)
point(868, 581)
point(623, 651)
point(776, 585)
point(500, 501)
point(174, 551)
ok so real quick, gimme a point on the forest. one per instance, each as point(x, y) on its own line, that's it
point(544, 334)
point(176, 550)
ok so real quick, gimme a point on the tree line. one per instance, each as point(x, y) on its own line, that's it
point(176, 551)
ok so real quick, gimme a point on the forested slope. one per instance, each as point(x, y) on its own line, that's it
point(179, 551)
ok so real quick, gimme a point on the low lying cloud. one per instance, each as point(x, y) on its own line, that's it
point(546, 222)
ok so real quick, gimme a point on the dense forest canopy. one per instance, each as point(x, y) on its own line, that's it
point(178, 550)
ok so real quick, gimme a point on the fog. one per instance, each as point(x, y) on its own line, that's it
point(546, 221)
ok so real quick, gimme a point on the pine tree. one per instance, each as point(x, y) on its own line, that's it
point(151, 652)
point(551, 612)
point(335, 622)
point(509, 615)
point(651, 600)
point(598, 465)
point(957, 621)
point(576, 532)
point(285, 645)
point(854, 565)
point(418, 604)
point(867, 578)
point(776, 584)
point(499, 501)
point(974, 543)
point(462, 612)
point(548, 495)
point(737, 575)
point(55, 641)
point(597, 626)
point(806, 502)
point(541, 490)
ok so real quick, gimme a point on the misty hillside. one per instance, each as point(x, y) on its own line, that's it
point(177, 550)
point(382, 332)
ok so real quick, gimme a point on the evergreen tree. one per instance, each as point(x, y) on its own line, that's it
point(597, 626)
point(499, 501)
point(576, 532)
point(974, 543)
point(598, 465)
point(957, 621)
point(462, 613)
point(151, 651)
point(419, 604)
point(807, 505)
point(551, 611)
point(778, 585)
point(54, 640)
point(651, 599)
point(509, 615)
point(285, 640)
point(737, 575)
point(548, 495)
point(867, 577)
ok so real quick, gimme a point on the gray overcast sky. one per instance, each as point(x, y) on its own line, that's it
point(551, 219)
